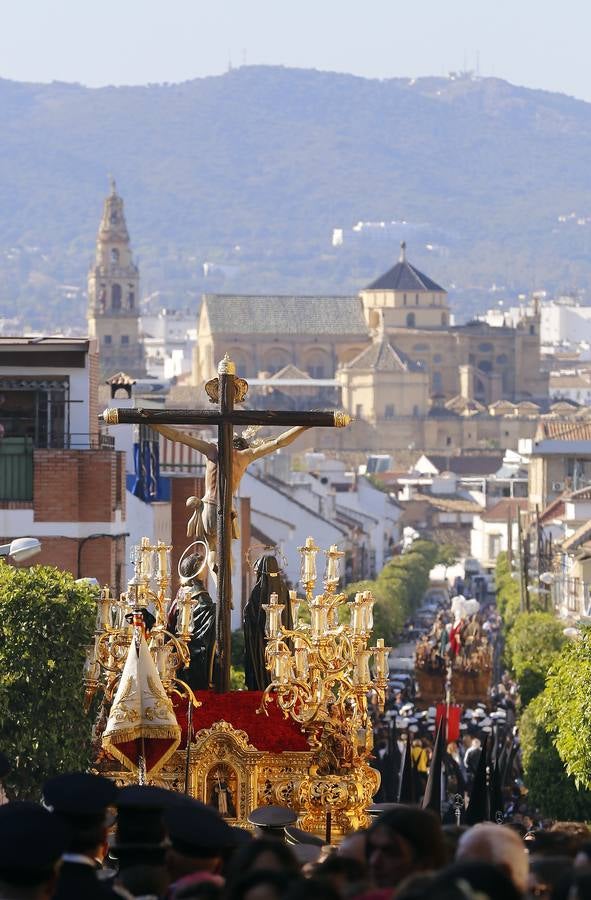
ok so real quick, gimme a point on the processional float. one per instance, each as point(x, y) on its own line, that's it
point(313, 755)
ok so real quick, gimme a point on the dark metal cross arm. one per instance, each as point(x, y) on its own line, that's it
point(139, 416)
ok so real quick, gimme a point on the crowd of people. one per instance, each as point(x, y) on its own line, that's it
point(93, 841)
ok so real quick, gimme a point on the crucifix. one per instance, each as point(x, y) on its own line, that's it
point(224, 391)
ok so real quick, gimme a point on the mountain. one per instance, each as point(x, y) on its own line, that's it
point(251, 172)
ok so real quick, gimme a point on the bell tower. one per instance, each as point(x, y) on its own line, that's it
point(113, 294)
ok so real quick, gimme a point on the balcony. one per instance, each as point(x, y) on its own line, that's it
point(16, 461)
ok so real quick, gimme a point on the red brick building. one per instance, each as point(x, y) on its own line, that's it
point(60, 479)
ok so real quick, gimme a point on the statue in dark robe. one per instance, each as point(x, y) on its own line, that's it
point(202, 644)
point(269, 581)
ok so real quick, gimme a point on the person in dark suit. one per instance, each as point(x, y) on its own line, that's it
point(31, 846)
point(80, 801)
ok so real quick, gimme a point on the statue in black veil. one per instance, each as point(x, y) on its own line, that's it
point(202, 643)
point(269, 581)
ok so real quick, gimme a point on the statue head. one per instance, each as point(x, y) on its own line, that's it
point(240, 443)
point(190, 566)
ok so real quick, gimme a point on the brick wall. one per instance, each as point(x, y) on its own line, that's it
point(78, 485)
point(101, 558)
point(93, 388)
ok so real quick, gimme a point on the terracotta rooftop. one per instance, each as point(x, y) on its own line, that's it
point(505, 508)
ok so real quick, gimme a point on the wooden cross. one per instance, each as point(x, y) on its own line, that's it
point(224, 391)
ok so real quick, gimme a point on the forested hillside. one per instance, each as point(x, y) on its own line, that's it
point(252, 170)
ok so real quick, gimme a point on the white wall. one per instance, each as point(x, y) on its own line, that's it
point(288, 523)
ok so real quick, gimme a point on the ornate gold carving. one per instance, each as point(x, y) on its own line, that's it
point(212, 389)
point(240, 389)
point(341, 419)
point(110, 416)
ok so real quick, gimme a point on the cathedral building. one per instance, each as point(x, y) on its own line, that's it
point(113, 294)
point(396, 336)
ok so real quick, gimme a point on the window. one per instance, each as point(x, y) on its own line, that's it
point(359, 411)
point(438, 358)
point(107, 339)
point(130, 296)
point(485, 365)
point(125, 339)
point(502, 359)
point(389, 411)
point(437, 382)
point(416, 299)
point(486, 348)
point(115, 256)
point(420, 348)
point(448, 442)
point(444, 319)
point(415, 410)
point(532, 329)
point(410, 320)
point(404, 299)
point(116, 296)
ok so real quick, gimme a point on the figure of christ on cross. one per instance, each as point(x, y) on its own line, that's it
point(203, 524)
point(225, 467)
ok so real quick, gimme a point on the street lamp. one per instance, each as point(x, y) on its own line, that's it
point(21, 549)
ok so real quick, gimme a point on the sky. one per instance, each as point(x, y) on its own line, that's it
point(534, 43)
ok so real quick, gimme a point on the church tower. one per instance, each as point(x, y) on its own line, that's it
point(404, 298)
point(113, 294)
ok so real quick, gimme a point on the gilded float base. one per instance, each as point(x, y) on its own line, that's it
point(226, 771)
point(346, 796)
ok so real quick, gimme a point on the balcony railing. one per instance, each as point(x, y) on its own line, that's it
point(16, 461)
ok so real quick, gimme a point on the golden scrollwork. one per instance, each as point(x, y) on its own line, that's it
point(342, 419)
point(110, 416)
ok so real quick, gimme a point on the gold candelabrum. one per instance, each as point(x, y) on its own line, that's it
point(322, 676)
point(147, 590)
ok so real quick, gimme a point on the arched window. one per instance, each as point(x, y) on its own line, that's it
point(437, 381)
point(502, 359)
point(240, 360)
point(318, 363)
point(410, 320)
point(275, 360)
point(116, 296)
point(130, 296)
point(115, 256)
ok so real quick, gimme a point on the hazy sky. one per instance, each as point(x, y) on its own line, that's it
point(96, 42)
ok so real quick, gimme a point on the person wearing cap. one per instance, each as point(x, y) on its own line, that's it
point(403, 841)
point(81, 802)
point(31, 845)
point(270, 821)
point(141, 840)
point(200, 840)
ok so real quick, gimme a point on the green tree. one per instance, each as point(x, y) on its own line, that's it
point(532, 646)
point(551, 790)
point(566, 704)
point(46, 621)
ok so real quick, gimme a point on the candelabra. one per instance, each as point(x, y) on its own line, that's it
point(321, 677)
point(143, 605)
